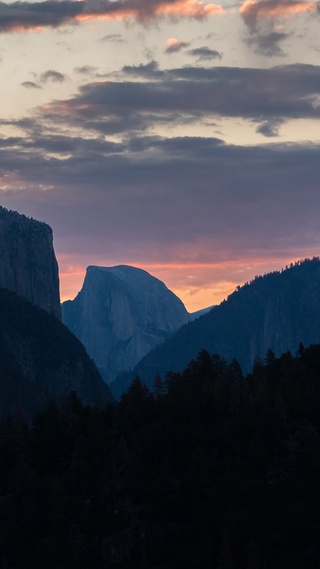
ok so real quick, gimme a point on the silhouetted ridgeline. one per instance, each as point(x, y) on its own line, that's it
point(28, 264)
point(276, 311)
point(41, 359)
point(211, 471)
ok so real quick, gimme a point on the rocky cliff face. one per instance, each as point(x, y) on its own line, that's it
point(28, 265)
point(120, 314)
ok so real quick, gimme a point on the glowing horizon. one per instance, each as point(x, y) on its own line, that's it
point(198, 285)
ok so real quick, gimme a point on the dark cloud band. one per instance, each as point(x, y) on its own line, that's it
point(184, 95)
point(20, 16)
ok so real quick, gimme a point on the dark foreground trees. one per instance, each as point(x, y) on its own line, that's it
point(210, 471)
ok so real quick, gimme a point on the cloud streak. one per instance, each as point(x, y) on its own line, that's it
point(22, 16)
point(144, 10)
point(30, 85)
point(205, 53)
point(52, 76)
point(191, 94)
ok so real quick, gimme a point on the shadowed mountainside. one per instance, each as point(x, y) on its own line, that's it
point(41, 359)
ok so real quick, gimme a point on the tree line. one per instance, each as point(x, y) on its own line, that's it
point(208, 469)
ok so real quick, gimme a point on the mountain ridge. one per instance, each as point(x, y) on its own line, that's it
point(274, 311)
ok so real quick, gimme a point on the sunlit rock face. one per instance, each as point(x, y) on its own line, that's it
point(120, 314)
point(28, 264)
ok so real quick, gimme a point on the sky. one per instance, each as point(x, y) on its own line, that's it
point(178, 136)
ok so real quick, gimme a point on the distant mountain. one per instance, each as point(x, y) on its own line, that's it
point(28, 264)
point(277, 311)
point(198, 313)
point(120, 314)
point(41, 359)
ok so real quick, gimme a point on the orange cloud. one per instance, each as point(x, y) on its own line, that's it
point(22, 16)
point(23, 27)
point(190, 8)
point(99, 10)
point(174, 45)
point(274, 8)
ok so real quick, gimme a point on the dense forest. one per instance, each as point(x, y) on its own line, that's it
point(207, 470)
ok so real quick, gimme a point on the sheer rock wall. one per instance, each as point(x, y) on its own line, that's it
point(28, 264)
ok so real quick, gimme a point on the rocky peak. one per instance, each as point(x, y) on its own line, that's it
point(28, 264)
point(120, 314)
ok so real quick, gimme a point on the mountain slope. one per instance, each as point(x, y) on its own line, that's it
point(275, 311)
point(28, 264)
point(41, 359)
point(120, 314)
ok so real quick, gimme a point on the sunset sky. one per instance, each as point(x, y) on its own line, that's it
point(178, 136)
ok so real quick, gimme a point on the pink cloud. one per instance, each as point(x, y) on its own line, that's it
point(252, 11)
point(146, 10)
point(21, 16)
point(174, 45)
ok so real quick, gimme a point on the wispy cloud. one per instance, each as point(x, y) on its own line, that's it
point(205, 53)
point(116, 38)
point(270, 128)
point(52, 76)
point(86, 70)
point(174, 45)
point(30, 85)
point(268, 44)
point(147, 70)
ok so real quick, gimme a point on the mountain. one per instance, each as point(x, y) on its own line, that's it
point(28, 264)
point(41, 359)
point(198, 313)
point(120, 314)
point(276, 311)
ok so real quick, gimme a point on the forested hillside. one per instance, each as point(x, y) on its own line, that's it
point(209, 471)
point(41, 359)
